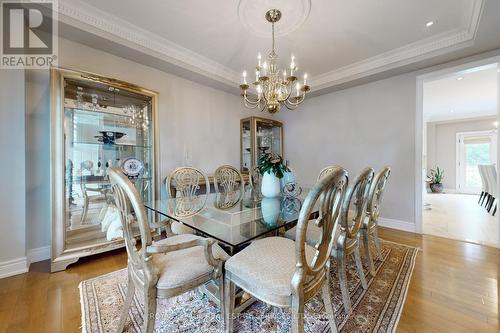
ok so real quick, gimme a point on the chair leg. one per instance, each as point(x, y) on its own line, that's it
point(149, 309)
point(327, 300)
point(298, 313)
point(377, 243)
point(359, 265)
point(229, 294)
point(494, 210)
point(491, 204)
point(222, 304)
point(366, 244)
point(126, 305)
point(346, 300)
point(480, 197)
point(484, 197)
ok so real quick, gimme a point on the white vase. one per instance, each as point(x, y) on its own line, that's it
point(270, 208)
point(271, 185)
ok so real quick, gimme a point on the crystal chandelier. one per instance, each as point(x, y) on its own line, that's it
point(274, 87)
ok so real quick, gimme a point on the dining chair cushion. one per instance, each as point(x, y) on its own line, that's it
point(265, 269)
point(178, 268)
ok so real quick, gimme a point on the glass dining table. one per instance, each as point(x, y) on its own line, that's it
point(233, 219)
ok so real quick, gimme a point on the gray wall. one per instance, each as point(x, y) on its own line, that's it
point(196, 121)
point(12, 152)
point(369, 125)
point(441, 145)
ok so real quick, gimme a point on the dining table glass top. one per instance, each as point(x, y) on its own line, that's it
point(234, 218)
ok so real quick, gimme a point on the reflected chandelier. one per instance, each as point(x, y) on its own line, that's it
point(273, 86)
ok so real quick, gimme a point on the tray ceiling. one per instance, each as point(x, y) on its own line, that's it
point(334, 40)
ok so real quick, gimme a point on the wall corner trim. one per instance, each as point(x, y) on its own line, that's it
point(13, 267)
point(397, 224)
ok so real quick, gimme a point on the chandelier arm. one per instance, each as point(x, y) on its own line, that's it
point(255, 101)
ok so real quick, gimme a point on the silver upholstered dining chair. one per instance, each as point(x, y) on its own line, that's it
point(185, 182)
point(347, 233)
point(229, 180)
point(369, 228)
point(348, 239)
point(286, 273)
point(161, 269)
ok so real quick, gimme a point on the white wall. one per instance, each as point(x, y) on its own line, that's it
point(12, 190)
point(369, 125)
point(441, 145)
point(194, 120)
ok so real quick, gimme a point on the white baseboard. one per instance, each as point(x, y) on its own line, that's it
point(38, 254)
point(13, 267)
point(397, 224)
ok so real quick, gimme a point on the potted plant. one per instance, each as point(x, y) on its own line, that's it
point(435, 179)
point(272, 168)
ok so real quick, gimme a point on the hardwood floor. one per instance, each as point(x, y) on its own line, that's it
point(454, 288)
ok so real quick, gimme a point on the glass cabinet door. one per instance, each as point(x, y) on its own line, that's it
point(259, 136)
point(267, 138)
point(246, 145)
point(103, 127)
point(96, 123)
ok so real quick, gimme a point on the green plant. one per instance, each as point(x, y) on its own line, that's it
point(436, 176)
point(272, 163)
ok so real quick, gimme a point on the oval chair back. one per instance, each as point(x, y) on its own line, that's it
point(185, 181)
point(132, 213)
point(229, 180)
point(375, 195)
point(354, 206)
point(327, 195)
point(327, 170)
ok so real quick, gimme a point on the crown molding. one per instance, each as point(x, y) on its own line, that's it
point(420, 50)
point(155, 45)
point(150, 42)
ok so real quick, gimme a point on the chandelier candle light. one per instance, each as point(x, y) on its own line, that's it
point(274, 87)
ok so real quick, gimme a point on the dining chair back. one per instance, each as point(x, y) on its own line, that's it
point(369, 229)
point(484, 184)
point(185, 182)
point(161, 269)
point(284, 273)
point(229, 180)
point(327, 170)
point(351, 220)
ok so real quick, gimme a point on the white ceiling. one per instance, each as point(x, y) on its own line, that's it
point(335, 41)
point(468, 94)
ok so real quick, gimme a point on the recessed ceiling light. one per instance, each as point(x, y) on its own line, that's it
point(429, 24)
point(460, 78)
point(451, 111)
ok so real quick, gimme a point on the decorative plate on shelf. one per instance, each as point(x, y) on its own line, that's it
point(131, 166)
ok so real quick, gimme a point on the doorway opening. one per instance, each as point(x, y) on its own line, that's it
point(459, 138)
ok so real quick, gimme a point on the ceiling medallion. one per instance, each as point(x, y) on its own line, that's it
point(274, 87)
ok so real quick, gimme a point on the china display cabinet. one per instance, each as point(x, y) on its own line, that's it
point(96, 122)
point(259, 136)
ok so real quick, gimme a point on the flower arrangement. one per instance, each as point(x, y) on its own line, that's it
point(272, 163)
